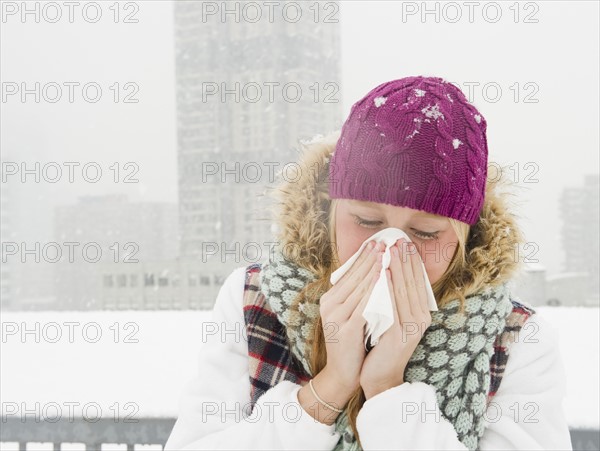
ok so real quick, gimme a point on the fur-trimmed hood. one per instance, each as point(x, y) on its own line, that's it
point(302, 217)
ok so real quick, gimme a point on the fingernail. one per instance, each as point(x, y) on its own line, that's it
point(370, 245)
point(395, 251)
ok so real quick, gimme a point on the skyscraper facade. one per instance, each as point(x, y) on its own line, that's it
point(247, 91)
point(580, 230)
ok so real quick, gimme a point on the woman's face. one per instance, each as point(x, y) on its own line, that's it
point(432, 235)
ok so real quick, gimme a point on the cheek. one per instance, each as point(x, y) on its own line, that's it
point(349, 237)
point(436, 256)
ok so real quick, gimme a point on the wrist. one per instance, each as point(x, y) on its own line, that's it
point(371, 391)
point(344, 390)
point(326, 387)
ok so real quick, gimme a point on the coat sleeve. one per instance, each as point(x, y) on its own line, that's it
point(213, 408)
point(526, 412)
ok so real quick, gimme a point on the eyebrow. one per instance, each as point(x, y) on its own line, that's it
point(378, 206)
point(429, 215)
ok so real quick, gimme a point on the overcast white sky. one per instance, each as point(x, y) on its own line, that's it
point(558, 54)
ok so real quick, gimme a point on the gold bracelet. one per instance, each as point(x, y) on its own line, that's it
point(329, 406)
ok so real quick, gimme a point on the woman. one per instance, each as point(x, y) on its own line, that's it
point(482, 372)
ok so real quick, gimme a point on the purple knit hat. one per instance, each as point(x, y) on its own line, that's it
point(415, 142)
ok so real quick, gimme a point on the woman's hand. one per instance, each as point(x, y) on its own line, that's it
point(343, 324)
point(384, 366)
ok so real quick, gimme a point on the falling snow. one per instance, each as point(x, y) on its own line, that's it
point(456, 142)
point(419, 92)
point(379, 101)
point(478, 118)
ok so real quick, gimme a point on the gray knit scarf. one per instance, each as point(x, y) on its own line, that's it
point(453, 354)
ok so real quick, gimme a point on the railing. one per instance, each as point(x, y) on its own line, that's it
point(148, 431)
point(585, 439)
point(145, 431)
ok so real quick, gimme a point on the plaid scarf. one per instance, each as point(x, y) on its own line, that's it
point(453, 355)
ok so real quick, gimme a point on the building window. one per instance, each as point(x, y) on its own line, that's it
point(133, 280)
point(204, 280)
point(192, 281)
point(148, 280)
point(163, 281)
point(108, 281)
point(122, 280)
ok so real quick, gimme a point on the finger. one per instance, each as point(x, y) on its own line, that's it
point(364, 289)
point(388, 275)
point(400, 294)
point(356, 318)
point(364, 254)
point(417, 268)
point(347, 285)
point(408, 251)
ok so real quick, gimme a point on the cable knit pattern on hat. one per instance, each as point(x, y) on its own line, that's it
point(415, 142)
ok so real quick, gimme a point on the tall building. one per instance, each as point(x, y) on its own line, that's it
point(580, 230)
point(109, 232)
point(569, 289)
point(162, 284)
point(26, 279)
point(530, 285)
point(247, 92)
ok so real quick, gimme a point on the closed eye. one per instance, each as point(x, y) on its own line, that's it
point(375, 224)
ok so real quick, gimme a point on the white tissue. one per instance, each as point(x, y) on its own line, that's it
point(379, 312)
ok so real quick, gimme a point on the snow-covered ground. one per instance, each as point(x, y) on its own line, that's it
point(149, 373)
point(579, 345)
point(145, 378)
